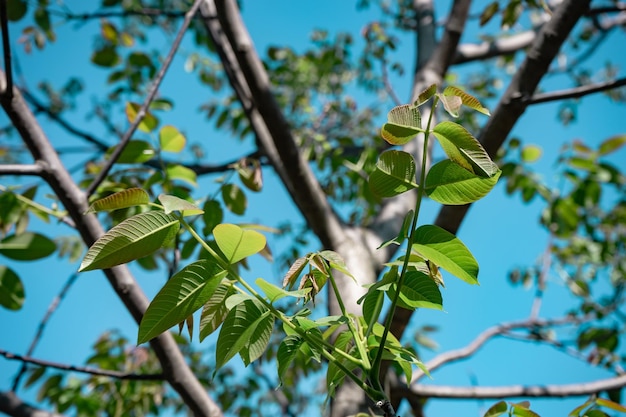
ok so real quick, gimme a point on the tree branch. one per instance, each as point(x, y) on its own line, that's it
point(576, 92)
point(12, 405)
point(173, 363)
point(6, 46)
point(469, 52)
point(532, 391)
point(17, 169)
point(141, 113)
point(83, 369)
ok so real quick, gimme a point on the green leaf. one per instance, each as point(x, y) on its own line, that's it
point(172, 203)
point(425, 95)
point(522, 411)
point(122, 199)
point(403, 124)
point(234, 199)
point(236, 243)
point(238, 331)
point(530, 153)
point(610, 404)
point(11, 289)
point(147, 124)
point(275, 293)
point(287, 351)
point(335, 261)
point(27, 246)
point(466, 99)
point(170, 139)
point(180, 297)
point(215, 310)
point(611, 145)
point(134, 238)
point(497, 409)
point(135, 152)
point(259, 339)
point(372, 305)
point(464, 149)
point(488, 12)
point(394, 174)
point(446, 250)
point(182, 173)
point(418, 291)
point(106, 56)
point(448, 183)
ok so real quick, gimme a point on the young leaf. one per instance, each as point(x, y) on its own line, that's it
point(448, 183)
point(418, 291)
point(451, 104)
point(275, 293)
point(403, 124)
point(467, 99)
point(446, 250)
point(287, 352)
point(182, 173)
point(135, 152)
point(171, 140)
point(180, 297)
point(394, 174)
point(171, 203)
point(335, 261)
point(294, 272)
point(134, 238)
point(11, 289)
point(236, 243)
point(530, 153)
point(425, 95)
point(498, 409)
point(250, 173)
point(234, 199)
point(464, 149)
point(122, 199)
point(147, 124)
point(237, 330)
point(215, 311)
point(611, 144)
point(27, 246)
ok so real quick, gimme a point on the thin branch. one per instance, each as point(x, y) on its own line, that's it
point(6, 48)
point(470, 52)
point(12, 405)
point(150, 12)
point(144, 107)
point(42, 326)
point(532, 391)
point(576, 92)
point(83, 369)
point(388, 87)
point(41, 107)
point(18, 169)
point(617, 7)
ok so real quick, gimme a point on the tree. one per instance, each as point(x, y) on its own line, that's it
point(295, 111)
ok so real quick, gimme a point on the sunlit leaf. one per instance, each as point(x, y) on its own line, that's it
point(275, 293)
point(466, 99)
point(122, 199)
point(498, 409)
point(180, 297)
point(134, 238)
point(446, 250)
point(611, 145)
point(530, 153)
point(451, 104)
point(135, 152)
point(147, 124)
point(448, 183)
point(335, 261)
point(294, 272)
point(171, 140)
point(462, 148)
point(236, 243)
point(27, 246)
point(425, 95)
point(394, 174)
point(11, 289)
point(610, 404)
point(403, 124)
point(250, 174)
point(172, 203)
point(182, 173)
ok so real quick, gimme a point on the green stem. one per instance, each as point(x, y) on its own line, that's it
point(33, 204)
point(374, 374)
point(358, 341)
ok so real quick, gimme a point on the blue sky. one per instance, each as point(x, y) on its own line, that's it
point(501, 231)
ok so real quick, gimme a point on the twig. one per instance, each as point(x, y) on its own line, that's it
point(541, 279)
point(576, 92)
point(42, 325)
point(6, 49)
point(387, 83)
point(83, 369)
point(125, 13)
point(144, 107)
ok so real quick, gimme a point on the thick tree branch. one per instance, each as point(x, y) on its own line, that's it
point(12, 405)
point(83, 369)
point(17, 169)
point(175, 368)
point(541, 391)
point(576, 92)
point(6, 46)
point(470, 52)
point(141, 113)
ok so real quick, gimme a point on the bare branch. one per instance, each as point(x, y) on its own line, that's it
point(6, 47)
point(175, 368)
point(83, 369)
point(141, 113)
point(42, 326)
point(12, 405)
point(476, 52)
point(17, 169)
point(576, 92)
point(537, 391)
point(151, 12)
